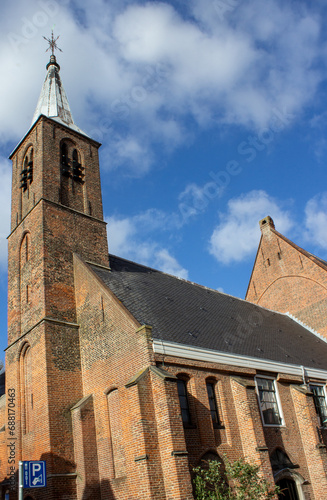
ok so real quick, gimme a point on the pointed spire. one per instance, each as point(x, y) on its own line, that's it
point(53, 101)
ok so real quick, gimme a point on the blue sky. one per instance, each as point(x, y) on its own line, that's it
point(212, 115)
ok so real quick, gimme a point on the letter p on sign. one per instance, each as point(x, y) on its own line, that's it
point(36, 468)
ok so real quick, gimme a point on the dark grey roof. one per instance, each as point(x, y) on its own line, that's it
point(190, 314)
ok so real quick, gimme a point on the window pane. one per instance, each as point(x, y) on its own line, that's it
point(212, 403)
point(183, 401)
point(268, 402)
point(320, 403)
point(181, 387)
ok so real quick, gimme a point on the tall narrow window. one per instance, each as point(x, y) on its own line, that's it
point(25, 249)
point(183, 401)
point(26, 176)
point(78, 174)
point(25, 270)
point(27, 389)
point(30, 168)
point(319, 398)
point(213, 403)
point(23, 175)
point(268, 401)
point(65, 168)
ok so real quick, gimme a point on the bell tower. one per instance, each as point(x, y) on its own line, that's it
point(56, 212)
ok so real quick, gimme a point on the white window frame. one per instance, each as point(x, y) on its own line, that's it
point(313, 384)
point(278, 402)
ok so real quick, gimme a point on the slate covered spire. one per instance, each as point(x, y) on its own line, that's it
point(53, 100)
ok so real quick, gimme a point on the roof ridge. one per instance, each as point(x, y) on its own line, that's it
point(311, 256)
point(311, 330)
point(198, 285)
point(172, 276)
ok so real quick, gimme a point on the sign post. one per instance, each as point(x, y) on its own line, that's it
point(20, 481)
point(32, 474)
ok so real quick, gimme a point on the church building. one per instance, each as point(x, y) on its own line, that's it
point(123, 378)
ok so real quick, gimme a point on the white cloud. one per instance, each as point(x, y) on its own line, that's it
point(155, 32)
point(237, 235)
point(195, 199)
point(127, 152)
point(147, 70)
point(316, 220)
point(5, 194)
point(129, 238)
point(168, 264)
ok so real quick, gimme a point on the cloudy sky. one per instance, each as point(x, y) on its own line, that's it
point(212, 115)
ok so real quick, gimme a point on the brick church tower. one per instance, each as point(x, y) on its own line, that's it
point(56, 211)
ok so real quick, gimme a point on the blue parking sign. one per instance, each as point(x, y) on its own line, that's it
point(34, 473)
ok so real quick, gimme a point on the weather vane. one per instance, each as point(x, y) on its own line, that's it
point(52, 43)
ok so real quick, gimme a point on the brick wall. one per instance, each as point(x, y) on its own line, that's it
point(241, 432)
point(286, 279)
point(43, 358)
point(137, 415)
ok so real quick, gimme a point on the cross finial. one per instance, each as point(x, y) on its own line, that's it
point(52, 43)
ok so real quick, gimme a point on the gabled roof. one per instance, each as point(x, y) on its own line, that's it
point(53, 100)
point(271, 228)
point(189, 314)
point(320, 262)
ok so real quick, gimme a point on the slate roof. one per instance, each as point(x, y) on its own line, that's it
point(190, 314)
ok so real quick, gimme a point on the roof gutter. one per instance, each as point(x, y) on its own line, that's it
point(211, 356)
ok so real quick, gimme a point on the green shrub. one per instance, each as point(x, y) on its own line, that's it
point(238, 480)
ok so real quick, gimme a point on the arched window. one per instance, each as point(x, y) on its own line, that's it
point(288, 489)
point(78, 174)
point(213, 403)
point(26, 388)
point(285, 476)
point(26, 176)
point(279, 460)
point(64, 160)
point(63, 154)
point(25, 249)
point(30, 167)
point(184, 401)
point(25, 269)
point(75, 157)
point(23, 175)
